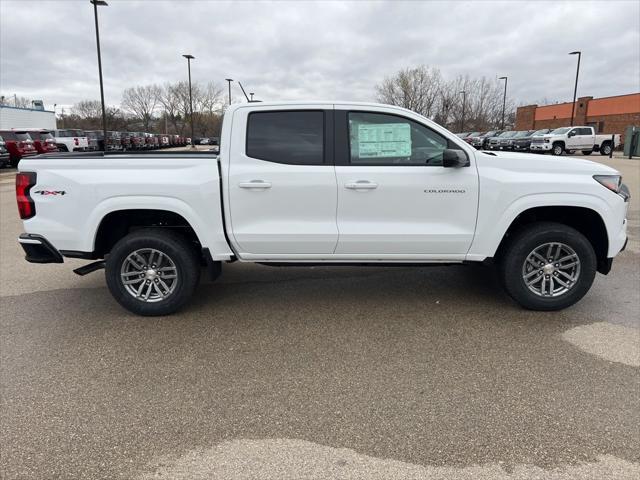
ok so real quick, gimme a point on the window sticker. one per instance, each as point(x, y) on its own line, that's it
point(384, 140)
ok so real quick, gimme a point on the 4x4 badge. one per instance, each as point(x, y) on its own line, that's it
point(50, 192)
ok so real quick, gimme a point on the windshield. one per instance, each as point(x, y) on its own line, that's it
point(42, 135)
point(521, 134)
point(507, 134)
point(22, 136)
point(474, 134)
point(561, 130)
point(540, 132)
point(489, 134)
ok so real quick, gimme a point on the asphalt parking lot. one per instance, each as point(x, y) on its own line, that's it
point(292, 373)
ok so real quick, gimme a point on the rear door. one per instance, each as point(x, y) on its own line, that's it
point(394, 195)
point(282, 183)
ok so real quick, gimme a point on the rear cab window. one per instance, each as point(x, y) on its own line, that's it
point(295, 137)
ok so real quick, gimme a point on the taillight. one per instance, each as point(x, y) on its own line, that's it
point(26, 206)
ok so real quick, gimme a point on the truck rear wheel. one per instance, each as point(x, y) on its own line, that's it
point(605, 148)
point(548, 266)
point(152, 272)
point(557, 149)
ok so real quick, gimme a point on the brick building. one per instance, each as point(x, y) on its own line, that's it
point(606, 115)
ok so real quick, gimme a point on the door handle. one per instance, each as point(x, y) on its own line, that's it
point(258, 184)
point(361, 185)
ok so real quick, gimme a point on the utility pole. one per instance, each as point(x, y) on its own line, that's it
point(575, 88)
point(464, 99)
point(189, 58)
point(504, 99)
point(101, 3)
point(229, 80)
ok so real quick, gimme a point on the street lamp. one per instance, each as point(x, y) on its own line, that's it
point(229, 80)
point(96, 4)
point(575, 88)
point(464, 99)
point(504, 99)
point(189, 58)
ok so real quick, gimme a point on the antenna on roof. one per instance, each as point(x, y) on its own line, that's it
point(245, 93)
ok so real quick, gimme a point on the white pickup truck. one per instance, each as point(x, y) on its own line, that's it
point(571, 139)
point(324, 183)
point(71, 140)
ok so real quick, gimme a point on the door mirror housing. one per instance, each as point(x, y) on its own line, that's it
point(454, 158)
point(572, 133)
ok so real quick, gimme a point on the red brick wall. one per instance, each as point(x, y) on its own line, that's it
point(615, 123)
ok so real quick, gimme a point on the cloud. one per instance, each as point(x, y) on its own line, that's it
point(316, 50)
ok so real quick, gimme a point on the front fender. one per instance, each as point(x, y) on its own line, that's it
point(492, 225)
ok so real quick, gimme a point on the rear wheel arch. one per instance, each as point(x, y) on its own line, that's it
point(117, 224)
point(585, 220)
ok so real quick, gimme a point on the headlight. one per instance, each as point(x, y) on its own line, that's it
point(612, 182)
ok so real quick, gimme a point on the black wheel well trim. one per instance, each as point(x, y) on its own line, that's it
point(118, 223)
point(585, 220)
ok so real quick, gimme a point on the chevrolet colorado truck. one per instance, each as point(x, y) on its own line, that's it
point(308, 183)
point(571, 139)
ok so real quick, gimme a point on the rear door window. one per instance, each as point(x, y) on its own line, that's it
point(291, 137)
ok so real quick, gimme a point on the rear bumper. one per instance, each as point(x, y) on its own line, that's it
point(37, 249)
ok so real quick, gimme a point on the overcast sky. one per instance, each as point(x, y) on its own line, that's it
point(317, 50)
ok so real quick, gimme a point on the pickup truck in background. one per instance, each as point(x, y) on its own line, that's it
point(308, 183)
point(571, 139)
point(71, 140)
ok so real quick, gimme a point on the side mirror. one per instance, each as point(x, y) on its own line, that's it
point(454, 158)
point(572, 133)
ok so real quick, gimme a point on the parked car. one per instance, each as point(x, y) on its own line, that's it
point(463, 135)
point(43, 140)
point(138, 141)
point(125, 140)
point(151, 142)
point(71, 140)
point(521, 143)
point(94, 142)
point(114, 141)
point(283, 194)
point(570, 139)
point(498, 141)
point(19, 145)
point(480, 142)
point(469, 138)
point(163, 141)
point(5, 158)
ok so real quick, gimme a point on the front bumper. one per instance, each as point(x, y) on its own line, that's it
point(544, 147)
point(37, 249)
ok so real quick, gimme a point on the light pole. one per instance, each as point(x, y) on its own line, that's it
point(464, 99)
point(229, 80)
point(96, 4)
point(189, 58)
point(504, 99)
point(575, 88)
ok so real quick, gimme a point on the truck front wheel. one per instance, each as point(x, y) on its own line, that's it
point(557, 149)
point(547, 266)
point(152, 272)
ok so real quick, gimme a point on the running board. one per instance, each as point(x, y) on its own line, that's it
point(91, 267)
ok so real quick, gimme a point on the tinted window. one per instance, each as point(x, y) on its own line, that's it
point(286, 137)
point(584, 131)
point(380, 139)
point(8, 135)
point(22, 136)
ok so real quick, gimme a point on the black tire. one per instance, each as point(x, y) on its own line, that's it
point(62, 147)
point(523, 243)
point(605, 149)
point(587, 152)
point(557, 150)
point(177, 249)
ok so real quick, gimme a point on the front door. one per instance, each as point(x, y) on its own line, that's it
point(394, 195)
point(282, 184)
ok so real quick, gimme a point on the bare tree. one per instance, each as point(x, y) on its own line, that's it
point(417, 89)
point(142, 102)
point(15, 101)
